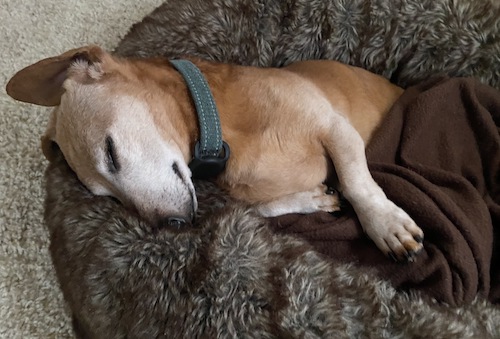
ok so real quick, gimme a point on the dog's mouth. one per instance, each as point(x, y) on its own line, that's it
point(168, 221)
point(172, 221)
point(175, 224)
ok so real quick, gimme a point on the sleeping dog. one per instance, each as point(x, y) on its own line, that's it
point(127, 127)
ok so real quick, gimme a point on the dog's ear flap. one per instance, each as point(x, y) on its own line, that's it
point(41, 83)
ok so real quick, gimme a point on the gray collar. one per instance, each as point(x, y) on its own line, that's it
point(211, 152)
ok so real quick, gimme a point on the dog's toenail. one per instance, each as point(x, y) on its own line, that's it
point(419, 239)
point(330, 191)
point(337, 214)
point(392, 256)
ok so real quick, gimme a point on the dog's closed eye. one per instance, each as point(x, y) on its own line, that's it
point(112, 160)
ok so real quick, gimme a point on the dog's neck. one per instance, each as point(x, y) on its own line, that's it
point(185, 119)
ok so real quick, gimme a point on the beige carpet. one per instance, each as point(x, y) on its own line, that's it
point(31, 304)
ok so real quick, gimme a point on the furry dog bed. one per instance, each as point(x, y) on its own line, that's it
point(231, 276)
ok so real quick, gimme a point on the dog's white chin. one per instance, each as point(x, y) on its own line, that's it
point(101, 191)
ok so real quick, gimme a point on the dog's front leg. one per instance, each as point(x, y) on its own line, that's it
point(321, 198)
point(391, 228)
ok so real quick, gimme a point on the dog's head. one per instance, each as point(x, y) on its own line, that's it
point(119, 130)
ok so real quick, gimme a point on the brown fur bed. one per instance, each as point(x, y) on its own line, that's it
point(232, 276)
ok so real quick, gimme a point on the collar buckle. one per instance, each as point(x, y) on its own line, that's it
point(207, 166)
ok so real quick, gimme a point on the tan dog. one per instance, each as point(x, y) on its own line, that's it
point(128, 128)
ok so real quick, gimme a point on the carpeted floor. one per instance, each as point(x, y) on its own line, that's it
point(31, 305)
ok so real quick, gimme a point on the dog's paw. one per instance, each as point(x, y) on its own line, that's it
point(394, 232)
point(320, 198)
point(325, 199)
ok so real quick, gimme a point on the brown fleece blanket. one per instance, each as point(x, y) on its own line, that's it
point(437, 155)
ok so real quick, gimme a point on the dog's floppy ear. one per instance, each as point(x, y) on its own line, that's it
point(41, 83)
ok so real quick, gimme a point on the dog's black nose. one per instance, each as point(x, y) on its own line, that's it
point(172, 222)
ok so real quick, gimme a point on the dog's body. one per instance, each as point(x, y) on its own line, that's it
point(128, 128)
